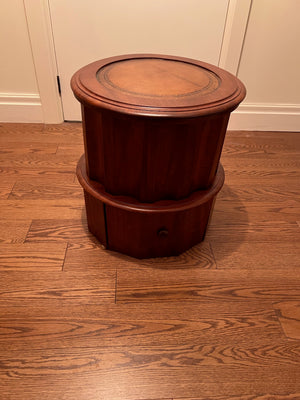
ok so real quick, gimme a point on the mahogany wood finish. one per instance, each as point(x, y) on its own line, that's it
point(147, 229)
point(221, 321)
point(154, 128)
point(152, 159)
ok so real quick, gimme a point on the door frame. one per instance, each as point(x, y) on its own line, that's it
point(43, 53)
point(44, 58)
point(235, 29)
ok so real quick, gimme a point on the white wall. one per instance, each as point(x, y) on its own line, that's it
point(19, 94)
point(270, 66)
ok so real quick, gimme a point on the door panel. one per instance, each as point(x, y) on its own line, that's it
point(85, 31)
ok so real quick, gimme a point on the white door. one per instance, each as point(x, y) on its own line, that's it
point(88, 30)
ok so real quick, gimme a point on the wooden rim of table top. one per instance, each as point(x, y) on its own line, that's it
point(130, 204)
point(157, 85)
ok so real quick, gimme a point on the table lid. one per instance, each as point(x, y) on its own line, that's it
point(157, 85)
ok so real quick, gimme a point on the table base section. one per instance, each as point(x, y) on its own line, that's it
point(145, 230)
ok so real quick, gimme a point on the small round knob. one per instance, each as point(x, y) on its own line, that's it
point(163, 232)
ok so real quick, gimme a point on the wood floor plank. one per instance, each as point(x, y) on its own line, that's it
point(6, 187)
point(262, 193)
point(268, 169)
point(66, 128)
point(34, 209)
point(111, 327)
point(68, 287)
point(43, 161)
point(259, 231)
point(145, 284)
point(27, 257)
point(130, 373)
point(235, 207)
point(76, 149)
point(218, 322)
point(23, 129)
point(18, 147)
point(91, 387)
point(45, 178)
point(245, 148)
point(258, 145)
point(289, 316)
point(253, 255)
point(13, 231)
point(259, 310)
point(271, 162)
point(26, 189)
point(81, 258)
point(11, 173)
point(200, 256)
point(238, 174)
point(23, 363)
point(72, 231)
point(236, 211)
point(270, 395)
point(49, 133)
point(276, 141)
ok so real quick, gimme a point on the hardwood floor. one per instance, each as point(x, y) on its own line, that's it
point(221, 321)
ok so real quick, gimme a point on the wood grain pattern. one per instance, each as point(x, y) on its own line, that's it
point(9, 129)
point(253, 255)
point(85, 375)
point(93, 257)
point(67, 130)
point(218, 322)
point(47, 190)
point(186, 311)
point(13, 147)
point(27, 257)
point(234, 210)
point(79, 287)
point(40, 177)
point(34, 209)
point(123, 224)
point(200, 256)
point(73, 149)
point(150, 159)
point(289, 317)
point(14, 231)
point(6, 187)
point(95, 360)
point(265, 194)
point(262, 396)
point(199, 285)
point(261, 231)
point(14, 174)
point(60, 230)
point(69, 331)
point(37, 160)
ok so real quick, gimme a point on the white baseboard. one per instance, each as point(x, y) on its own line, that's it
point(15, 107)
point(256, 117)
point(266, 117)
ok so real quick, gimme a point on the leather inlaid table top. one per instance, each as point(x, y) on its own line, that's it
point(157, 85)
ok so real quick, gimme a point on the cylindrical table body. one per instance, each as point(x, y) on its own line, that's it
point(149, 158)
point(146, 230)
point(154, 128)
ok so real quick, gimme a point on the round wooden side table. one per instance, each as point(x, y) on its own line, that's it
point(154, 128)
